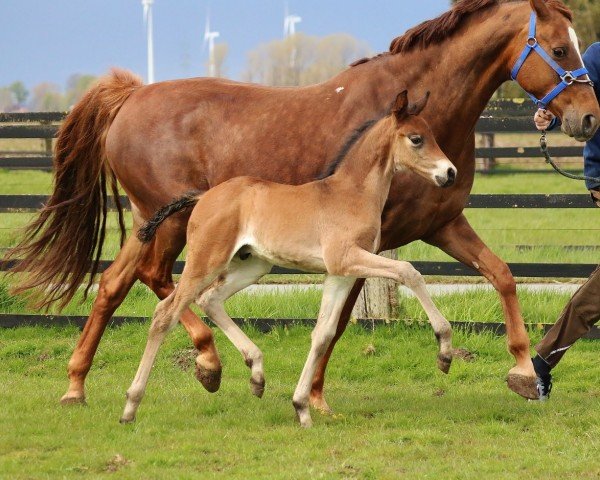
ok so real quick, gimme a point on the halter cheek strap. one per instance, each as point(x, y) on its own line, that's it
point(567, 77)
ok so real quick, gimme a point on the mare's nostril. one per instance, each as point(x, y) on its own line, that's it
point(589, 125)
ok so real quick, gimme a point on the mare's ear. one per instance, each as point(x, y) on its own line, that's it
point(400, 107)
point(540, 8)
point(419, 105)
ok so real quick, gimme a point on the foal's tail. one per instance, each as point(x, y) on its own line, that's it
point(64, 242)
point(148, 230)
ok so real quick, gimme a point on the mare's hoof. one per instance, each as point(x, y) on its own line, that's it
point(527, 387)
point(303, 413)
point(125, 421)
point(257, 387)
point(210, 379)
point(444, 362)
point(72, 399)
point(321, 406)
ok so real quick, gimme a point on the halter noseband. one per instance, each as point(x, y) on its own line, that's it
point(567, 77)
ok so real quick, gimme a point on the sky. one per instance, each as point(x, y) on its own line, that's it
point(51, 40)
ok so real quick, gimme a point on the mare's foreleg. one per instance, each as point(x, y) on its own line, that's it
point(459, 240)
point(115, 283)
point(156, 271)
point(335, 292)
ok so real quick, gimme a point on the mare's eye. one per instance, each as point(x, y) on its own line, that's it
point(559, 52)
point(416, 140)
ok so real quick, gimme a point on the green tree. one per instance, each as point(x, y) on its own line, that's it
point(19, 92)
point(77, 85)
point(47, 97)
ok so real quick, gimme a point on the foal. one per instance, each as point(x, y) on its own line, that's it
point(242, 227)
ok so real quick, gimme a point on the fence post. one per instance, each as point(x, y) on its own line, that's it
point(379, 297)
point(487, 141)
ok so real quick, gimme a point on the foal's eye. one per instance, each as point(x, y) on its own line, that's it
point(559, 52)
point(416, 140)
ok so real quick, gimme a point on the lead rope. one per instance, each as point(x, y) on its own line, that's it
point(544, 147)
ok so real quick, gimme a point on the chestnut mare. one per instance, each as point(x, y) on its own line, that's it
point(248, 221)
point(193, 134)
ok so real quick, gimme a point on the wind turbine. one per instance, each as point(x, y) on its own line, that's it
point(147, 4)
point(289, 30)
point(209, 39)
point(289, 24)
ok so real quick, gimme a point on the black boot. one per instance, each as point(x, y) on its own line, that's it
point(544, 381)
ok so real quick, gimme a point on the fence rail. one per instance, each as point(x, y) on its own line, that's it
point(501, 116)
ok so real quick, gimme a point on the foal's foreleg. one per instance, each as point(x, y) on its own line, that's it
point(335, 292)
point(368, 265)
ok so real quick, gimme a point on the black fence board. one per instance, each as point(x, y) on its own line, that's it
point(444, 269)
point(27, 203)
point(264, 325)
point(28, 131)
point(26, 162)
point(527, 152)
point(40, 117)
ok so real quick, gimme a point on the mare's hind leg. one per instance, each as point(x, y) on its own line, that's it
point(367, 265)
point(156, 271)
point(115, 283)
point(240, 274)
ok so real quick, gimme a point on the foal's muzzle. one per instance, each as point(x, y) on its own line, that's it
point(448, 179)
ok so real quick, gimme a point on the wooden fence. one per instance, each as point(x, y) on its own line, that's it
point(503, 116)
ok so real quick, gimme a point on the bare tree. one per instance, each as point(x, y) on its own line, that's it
point(302, 59)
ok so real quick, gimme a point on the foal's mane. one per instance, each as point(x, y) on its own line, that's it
point(435, 31)
point(343, 153)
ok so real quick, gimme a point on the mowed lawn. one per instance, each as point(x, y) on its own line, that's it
point(397, 417)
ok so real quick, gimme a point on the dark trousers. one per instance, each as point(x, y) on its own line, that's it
point(577, 319)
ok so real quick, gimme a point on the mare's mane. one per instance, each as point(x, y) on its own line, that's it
point(435, 31)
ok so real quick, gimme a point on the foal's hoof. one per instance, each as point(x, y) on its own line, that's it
point(525, 386)
point(210, 379)
point(444, 362)
point(303, 413)
point(257, 387)
point(125, 421)
point(72, 399)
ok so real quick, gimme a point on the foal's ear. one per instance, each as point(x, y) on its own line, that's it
point(419, 105)
point(400, 108)
point(540, 8)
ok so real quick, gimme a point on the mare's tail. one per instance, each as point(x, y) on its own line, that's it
point(148, 230)
point(64, 242)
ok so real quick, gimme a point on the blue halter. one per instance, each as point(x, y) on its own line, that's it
point(567, 77)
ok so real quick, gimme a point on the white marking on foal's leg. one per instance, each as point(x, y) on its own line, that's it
point(163, 321)
point(335, 293)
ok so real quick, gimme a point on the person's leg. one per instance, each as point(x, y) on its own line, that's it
point(577, 319)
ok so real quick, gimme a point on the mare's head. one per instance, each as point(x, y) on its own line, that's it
point(414, 146)
point(576, 105)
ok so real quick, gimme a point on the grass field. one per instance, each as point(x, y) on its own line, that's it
point(397, 416)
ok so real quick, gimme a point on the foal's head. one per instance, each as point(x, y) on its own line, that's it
point(414, 146)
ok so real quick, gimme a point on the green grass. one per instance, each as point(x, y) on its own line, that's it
point(397, 416)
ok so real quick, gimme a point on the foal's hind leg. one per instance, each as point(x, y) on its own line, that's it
point(115, 283)
point(155, 270)
point(240, 274)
